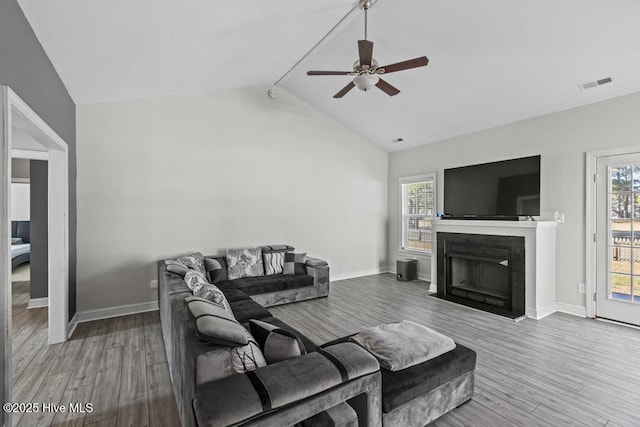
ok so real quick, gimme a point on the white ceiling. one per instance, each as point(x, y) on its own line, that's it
point(491, 62)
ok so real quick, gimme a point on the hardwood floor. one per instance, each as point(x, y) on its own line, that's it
point(562, 370)
point(117, 364)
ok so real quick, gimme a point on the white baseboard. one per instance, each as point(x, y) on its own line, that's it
point(354, 274)
point(38, 302)
point(72, 325)
point(541, 312)
point(575, 310)
point(121, 310)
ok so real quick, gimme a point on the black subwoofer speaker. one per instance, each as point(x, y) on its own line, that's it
point(407, 269)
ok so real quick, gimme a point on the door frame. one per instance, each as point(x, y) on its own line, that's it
point(57, 152)
point(590, 223)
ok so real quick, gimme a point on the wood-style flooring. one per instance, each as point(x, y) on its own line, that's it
point(118, 365)
point(562, 370)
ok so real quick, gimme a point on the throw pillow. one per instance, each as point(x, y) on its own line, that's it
point(277, 344)
point(214, 324)
point(294, 263)
point(212, 293)
point(247, 357)
point(273, 262)
point(245, 262)
point(194, 261)
point(216, 269)
point(195, 279)
point(176, 267)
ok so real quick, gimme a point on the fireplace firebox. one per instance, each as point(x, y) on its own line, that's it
point(482, 271)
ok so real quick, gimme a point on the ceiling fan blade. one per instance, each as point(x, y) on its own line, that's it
point(405, 65)
point(329, 73)
point(387, 88)
point(344, 90)
point(365, 49)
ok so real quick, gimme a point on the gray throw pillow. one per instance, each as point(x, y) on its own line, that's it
point(294, 263)
point(277, 344)
point(214, 324)
point(194, 261)
point(273, 262)
point(216, 268)
point(176, 267)
point(247, 357)
point(245, 262)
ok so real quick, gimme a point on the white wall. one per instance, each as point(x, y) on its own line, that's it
point(562, 139)
point(20, 202)
point(164, 176)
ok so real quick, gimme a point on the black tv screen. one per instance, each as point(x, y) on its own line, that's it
point(509, 188)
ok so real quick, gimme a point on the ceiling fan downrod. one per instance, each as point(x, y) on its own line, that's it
point(365, 4)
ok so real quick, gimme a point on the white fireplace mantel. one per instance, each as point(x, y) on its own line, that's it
point(540, 256)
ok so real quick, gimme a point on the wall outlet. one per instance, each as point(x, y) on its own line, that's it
point(581, 288)
point(153, 284)
point(559, 217)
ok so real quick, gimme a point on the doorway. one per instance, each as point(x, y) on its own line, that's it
point(617, 236)
point(24, 134)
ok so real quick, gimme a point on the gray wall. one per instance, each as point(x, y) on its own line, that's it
point(39, 229)
point(562, 139)
point(25, 68)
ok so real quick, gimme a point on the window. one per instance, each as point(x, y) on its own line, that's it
point(418, 209)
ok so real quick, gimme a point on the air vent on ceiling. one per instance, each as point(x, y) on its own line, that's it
point(596, 83)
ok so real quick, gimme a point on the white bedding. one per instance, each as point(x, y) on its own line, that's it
point(17, 250)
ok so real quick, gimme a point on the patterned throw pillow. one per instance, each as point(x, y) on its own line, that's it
point(216, 269)
point(244, 263)
point(273, 262)
point(294, 263)
point(211, 293)
point(194, 261)
point(194, 278)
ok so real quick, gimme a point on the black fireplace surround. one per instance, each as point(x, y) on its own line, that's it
point(482, 271)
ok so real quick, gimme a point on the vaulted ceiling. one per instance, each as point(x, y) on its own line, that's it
point(491, 62)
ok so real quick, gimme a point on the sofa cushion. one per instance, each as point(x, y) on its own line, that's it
point(176, 267)
point(246, 262)
point(273, 262)
point(294, 263)
point(276, 344)
point(401, 345)
point(244, 310)
point(400, 387)
point(275, 283)
point(233, 295)
point(214, 324)
point(216, 268)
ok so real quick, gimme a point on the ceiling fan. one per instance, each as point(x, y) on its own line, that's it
point(367, 70)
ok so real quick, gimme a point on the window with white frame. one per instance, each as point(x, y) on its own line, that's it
point(418, 209)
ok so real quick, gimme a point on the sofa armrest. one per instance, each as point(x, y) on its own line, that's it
point(315, 262)
point(239, 398)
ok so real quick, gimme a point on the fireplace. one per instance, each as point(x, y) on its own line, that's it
point(482, 271)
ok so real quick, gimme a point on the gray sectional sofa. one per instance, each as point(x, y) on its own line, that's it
point(306, 388)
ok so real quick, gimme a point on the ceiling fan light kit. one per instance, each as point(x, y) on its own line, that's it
point(366, 68)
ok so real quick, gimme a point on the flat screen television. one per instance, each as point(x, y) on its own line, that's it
point(498, 190)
